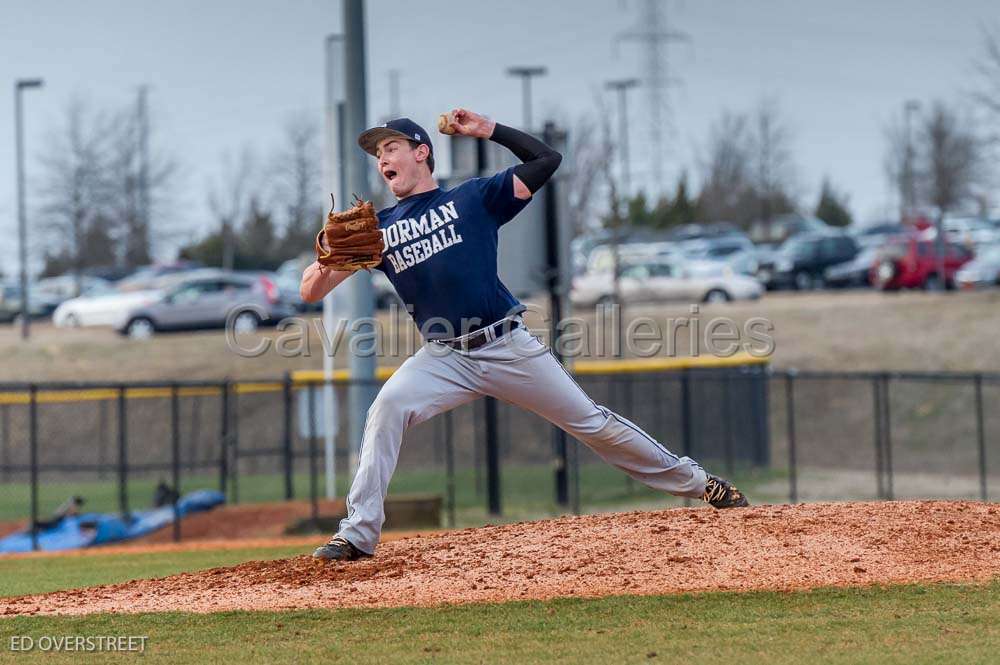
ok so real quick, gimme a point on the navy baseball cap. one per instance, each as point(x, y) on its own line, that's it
point(402, 128)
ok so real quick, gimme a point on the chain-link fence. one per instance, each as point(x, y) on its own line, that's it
point(781, 436)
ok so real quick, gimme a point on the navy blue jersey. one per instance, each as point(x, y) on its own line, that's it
point(441, 254)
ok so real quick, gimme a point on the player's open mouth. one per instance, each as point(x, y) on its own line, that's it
point(389, 174)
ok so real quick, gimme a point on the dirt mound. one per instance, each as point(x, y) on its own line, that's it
point(252, 520)
point(680, 550)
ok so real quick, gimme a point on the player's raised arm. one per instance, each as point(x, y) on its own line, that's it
point(539, 160)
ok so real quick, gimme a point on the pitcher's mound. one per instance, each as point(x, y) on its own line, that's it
point(680, 550)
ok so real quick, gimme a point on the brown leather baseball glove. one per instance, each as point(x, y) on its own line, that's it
point(350, 240)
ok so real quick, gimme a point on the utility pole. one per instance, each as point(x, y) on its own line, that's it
point(362, 390)
point(22, 225)
point(526, 74)
point(654, 35)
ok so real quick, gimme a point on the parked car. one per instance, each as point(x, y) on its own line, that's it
point(784, 227)
point(660, 280)
point(704, 231)
point(970, 231)
point(100, 306)
point(735, 251)
point(53, 291)
point(853, 273)
point(802, 260)
point(209, 302)
point(876, 235)
point(289, 277)
point(152, 277)
point(602, 257)
point(911, 263)
point(10, 303)
point(982, 271)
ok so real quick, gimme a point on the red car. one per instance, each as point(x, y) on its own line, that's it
point(910, 263)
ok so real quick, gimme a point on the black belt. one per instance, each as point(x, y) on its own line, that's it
point(485, 335)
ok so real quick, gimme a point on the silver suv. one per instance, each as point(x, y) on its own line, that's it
point(208, 302)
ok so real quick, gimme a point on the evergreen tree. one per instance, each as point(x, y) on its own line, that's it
point(832, 207)
point(256, 247)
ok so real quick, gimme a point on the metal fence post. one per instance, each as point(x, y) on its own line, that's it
point(5, 441)
point(33, 445)
point(224, 441)
point(102, 438)
point(478, 458)
point(575, 461)
point(793, 489)
point(449, 459)
point(234, 445)
point(981, 438)
point(877, 423)
point(313, 471)
point(887, 434)
point(492, 458)
point(175, 450)
point(287, 436)
point(686, 417)
point(727, 421)
point(123, 454)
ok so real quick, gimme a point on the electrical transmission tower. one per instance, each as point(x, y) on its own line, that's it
point(654, 35)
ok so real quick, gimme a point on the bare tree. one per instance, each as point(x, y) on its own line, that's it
point(950, 166)
point(229, 198)
point(726, 181)
point(590, 154)
point(296, 168)
point(139, 179)
point(771, 156)
point(74, 190)
point(987, 69)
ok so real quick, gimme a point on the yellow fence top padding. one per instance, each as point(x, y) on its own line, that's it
point(585, 366)
point(382, 373)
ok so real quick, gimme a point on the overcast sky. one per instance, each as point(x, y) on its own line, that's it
point(227, 73)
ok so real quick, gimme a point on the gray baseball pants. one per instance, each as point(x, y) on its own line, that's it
point(516, 368)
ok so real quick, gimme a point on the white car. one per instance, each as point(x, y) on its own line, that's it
point(656, 281)
point(970, 231)
point(105, 308)
point(601, 258)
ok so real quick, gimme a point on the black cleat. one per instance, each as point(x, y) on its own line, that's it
point(721, 493)
point(339, 549)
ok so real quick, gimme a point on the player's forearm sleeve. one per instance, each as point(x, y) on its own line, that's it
point(540, 161)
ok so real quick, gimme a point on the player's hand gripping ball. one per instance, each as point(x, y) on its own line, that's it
point(351, 239)
point(466, 123)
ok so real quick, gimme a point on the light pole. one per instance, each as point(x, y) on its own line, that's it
point(22, 227)
point(526, 74)
point(362, 390)
point(622, 86)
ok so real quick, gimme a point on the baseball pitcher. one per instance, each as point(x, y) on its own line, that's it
point(439, 250)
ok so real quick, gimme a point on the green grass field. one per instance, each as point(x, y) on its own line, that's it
point(911, 625)
point(528, 491)
point(901, 624)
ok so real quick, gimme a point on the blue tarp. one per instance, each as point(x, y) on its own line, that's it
point(89, 529)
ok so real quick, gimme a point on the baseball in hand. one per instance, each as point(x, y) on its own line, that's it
point(444, 123)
